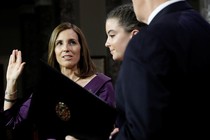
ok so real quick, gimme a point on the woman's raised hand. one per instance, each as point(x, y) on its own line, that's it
point(15, 66)
point(68, 137)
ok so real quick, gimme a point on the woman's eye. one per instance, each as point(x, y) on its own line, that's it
point(72, 42)
point(111, 36)
point(59, 43)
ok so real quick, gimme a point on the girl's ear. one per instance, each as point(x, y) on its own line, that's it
point(134, 32)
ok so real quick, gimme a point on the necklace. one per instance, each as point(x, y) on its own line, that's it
point(76, 80)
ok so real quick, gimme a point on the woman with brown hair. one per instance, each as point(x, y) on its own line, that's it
point(68, 52)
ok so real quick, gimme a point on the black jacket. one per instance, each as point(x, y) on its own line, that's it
point(163, 85)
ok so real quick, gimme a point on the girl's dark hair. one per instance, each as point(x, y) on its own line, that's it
point(126, 16)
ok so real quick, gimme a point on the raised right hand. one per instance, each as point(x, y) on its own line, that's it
point(14, 69)
point(15, 66)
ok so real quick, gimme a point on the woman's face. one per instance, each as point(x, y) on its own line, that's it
point(117, 39)
point(67, 49)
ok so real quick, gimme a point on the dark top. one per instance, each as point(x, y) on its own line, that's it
point(163, 85)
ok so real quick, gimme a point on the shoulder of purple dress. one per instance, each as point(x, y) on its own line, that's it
point(103, 77)
point(97, 82)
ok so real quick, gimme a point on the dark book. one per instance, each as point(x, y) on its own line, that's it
point(61, 107)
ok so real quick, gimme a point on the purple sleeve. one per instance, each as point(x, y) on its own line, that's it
point(106, 93)
point(18, 113)
point(102, 87)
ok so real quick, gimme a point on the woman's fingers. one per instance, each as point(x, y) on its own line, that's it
point(12, 57)
point(70, 138)
point(114, 132)
point(18, 57)
point(15, 66)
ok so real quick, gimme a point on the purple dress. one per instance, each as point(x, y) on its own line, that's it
point(101, 86)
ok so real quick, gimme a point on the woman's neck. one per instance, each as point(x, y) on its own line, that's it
point(70, 73)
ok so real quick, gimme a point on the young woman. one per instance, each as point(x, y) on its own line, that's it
point(121, 26)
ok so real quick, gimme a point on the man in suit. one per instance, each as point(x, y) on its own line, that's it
point(163, 85)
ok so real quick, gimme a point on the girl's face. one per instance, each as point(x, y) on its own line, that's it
point(117, 39)
point(67, 49)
